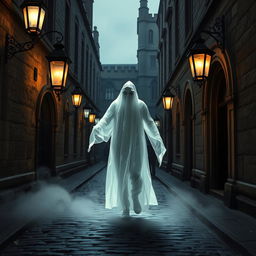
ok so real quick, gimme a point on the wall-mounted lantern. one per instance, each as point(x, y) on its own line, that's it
point(77, 96)
point(58, 67)
point(87, 110)
point(34, 16)
point(200, 60)
point(34, 12)
point(168, 100)
point(92, 117)
point(200, 56)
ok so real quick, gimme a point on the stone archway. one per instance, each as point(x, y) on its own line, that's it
point(217, 105)
point(218, 127)
point(219, 130)
point(45, 151)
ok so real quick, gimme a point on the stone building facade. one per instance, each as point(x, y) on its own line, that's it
point(211, 129)
point(147, 31)
point(113, 76)
point(145, 73)
point(41, 136)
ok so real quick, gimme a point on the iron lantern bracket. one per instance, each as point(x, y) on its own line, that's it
point(58, 92)
point(172, 89)
point(217, 32)
point(12, 46)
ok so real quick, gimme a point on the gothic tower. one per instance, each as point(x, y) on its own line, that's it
point(147, 31)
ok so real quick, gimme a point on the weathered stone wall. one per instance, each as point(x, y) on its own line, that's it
point(238, 64)
point(21, 96)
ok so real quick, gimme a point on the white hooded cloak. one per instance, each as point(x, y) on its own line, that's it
point(126, 121)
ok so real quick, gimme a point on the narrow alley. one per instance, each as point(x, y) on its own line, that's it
point(167, 229)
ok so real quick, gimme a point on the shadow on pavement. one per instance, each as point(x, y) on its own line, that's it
point(135, 235)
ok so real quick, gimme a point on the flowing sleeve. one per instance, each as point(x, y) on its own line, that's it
point(153, 134)
point(102, 131)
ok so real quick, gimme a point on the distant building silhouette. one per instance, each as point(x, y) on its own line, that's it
point(144, 74)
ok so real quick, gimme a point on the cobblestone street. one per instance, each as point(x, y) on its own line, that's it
point(87, 228)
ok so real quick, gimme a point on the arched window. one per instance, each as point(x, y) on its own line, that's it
point(150, 36)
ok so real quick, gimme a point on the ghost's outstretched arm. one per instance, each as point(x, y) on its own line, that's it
point(103, 129)
point(153, 134)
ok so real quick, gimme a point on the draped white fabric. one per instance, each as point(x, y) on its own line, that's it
point(126, 121)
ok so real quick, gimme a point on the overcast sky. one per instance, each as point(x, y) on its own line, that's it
point(117, 24)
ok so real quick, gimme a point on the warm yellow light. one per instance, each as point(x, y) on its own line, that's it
point(65, 75)
point(167, 102)
point(41, 20)
point(76, 100)
point(34, 16)
point(192, 66)
point(25, 17)
point(58, 68)
point(207, 64)
point(57, 73)
point(200, 65)
point(200, 60)
point(92, 118)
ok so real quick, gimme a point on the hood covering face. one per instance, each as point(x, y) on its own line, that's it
point(126, 121)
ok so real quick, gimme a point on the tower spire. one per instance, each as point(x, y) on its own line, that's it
point(143, 10)
point(144, 3)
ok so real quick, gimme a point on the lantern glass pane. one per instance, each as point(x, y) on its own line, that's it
point(76, 99)
point(25, 17)
point(207, 65)
point(57, 70)
point(199, 65)
point(33, 13)
point(192, 68)
point(65, 75)
point(86, 113)
point(41, 21)
point(92, 118)
point(167, 101)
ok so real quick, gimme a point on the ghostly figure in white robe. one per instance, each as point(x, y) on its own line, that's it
point(128, 181)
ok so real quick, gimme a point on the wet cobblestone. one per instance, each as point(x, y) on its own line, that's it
point(167, 229)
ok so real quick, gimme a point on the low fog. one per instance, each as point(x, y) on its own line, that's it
point(50, 201)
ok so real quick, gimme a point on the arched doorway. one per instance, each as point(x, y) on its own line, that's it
point(46, 138)
point(219, 131)
point(188, 136)
point(218, 118)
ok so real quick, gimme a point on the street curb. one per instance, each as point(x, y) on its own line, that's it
point(224, 237)
point(19, 230)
